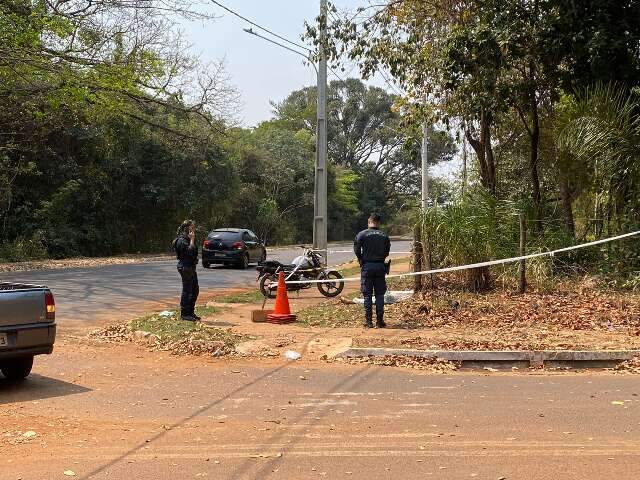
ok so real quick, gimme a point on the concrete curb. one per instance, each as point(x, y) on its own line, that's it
point(507, 359)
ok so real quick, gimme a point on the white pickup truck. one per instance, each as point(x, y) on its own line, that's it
point(27, 327)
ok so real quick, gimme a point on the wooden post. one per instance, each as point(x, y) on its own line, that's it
point(417, 258)
point(522, 268)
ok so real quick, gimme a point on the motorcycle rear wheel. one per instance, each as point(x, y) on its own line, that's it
point(332, 289)
point(266, 281)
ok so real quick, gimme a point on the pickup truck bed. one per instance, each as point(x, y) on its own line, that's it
point(27, 326)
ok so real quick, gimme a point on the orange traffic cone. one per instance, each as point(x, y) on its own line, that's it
point(281, 312)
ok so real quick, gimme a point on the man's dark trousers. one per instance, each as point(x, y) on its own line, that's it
point(190, 290)
point(373, 281)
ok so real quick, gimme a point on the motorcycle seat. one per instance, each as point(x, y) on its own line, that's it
point(288, 266)
point(276, 263)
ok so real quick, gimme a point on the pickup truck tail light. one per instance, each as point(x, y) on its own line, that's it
point(238, 245)
point(50, 305)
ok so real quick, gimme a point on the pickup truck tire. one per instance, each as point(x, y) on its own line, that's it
point(17, 368)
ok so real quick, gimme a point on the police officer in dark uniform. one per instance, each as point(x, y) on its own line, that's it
point(187, 255)
point(372, 248)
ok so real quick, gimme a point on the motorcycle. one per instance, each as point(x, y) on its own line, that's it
point(307, 266)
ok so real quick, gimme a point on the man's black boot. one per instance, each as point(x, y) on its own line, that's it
point(380, 323)
point(368, 322)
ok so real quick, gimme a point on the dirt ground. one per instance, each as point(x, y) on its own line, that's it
point(574, 315)
point(96, 409)
point(118, 411)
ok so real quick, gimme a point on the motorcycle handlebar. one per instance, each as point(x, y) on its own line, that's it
point(312, 249)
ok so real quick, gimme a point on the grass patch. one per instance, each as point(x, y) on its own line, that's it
point(206, 311)
point(164, 327)
point(252, 296)
point(355, 270)
point(331, 314)
point(351, 271)
point(182, 336)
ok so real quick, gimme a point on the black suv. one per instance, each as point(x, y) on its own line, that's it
point(237, 246)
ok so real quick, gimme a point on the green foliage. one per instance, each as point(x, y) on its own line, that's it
point(252, 296)
point(103, 150)
point(599, 38)
point(475, 228)
point(545, 93)
point(598, 138)
point(275, 167)
point(21, 249)
point(171, 330)
point(366, 130)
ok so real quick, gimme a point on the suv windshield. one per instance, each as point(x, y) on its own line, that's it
point(224, 235)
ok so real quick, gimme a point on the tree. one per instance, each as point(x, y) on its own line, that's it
point(120, 56)
point(366, 130)
point(600, 40)
point(476, 61)
point(511, 74)
point(109, 127)
point(276, 173)
point(597, 140)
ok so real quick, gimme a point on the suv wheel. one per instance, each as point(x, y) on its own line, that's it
point(17, 369)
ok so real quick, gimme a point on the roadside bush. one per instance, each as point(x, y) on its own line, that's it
point(22, 249)
point(474, 228)
point(477, 227)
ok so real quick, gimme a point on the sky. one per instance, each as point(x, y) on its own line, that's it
point(261, 72)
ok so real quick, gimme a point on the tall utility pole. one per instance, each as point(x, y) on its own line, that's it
point(425, 167)
point(320, 190)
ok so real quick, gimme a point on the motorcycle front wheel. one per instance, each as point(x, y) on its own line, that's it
point(268, 283)
point(331, 289)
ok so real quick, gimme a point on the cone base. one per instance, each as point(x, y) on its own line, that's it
point(280, 318)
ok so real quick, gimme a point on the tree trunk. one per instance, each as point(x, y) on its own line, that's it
point(491, 165)
point(478, 147)
point(567, 208)
point(484, 152)
point(478, 279)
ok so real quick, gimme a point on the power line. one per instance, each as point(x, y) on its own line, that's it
point(232, 12)
point(248, 30)
point(338, 76)
point(388, 82)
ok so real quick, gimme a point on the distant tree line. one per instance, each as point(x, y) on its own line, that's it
point(111, 134)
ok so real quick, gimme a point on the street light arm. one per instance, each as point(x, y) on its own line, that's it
point(306, 57)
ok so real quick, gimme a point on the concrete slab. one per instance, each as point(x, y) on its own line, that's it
point(508, 358)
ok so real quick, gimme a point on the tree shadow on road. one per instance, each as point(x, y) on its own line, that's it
point(36, 387)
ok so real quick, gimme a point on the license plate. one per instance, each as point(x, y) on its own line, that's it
point(219, 255)
point(4, 341)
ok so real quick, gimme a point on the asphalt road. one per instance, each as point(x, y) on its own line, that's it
point(124, 413)
point(88, 296)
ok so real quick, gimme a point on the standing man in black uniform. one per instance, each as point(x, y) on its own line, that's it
point(187, 255)
point(372, 247)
